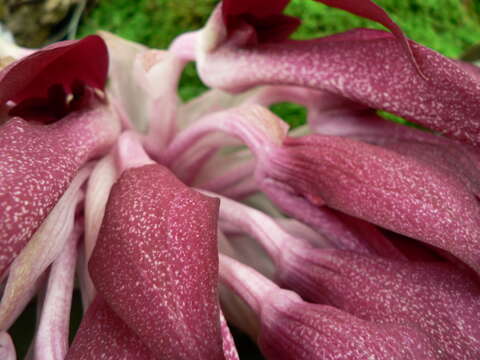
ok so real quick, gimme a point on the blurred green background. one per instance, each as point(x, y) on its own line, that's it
point(448, 26)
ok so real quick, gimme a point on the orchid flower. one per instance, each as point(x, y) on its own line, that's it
point(350, 238)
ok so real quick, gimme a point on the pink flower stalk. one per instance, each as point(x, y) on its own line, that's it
point(374, 222)
point(7, 349)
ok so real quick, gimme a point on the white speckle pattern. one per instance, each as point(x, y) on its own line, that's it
point(156, 263)
point(401, 193)
point(103, 335)
point(437, 297)
point(363, 65)
point(37, 163)
point(296, 330)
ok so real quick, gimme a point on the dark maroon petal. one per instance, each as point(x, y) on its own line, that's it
point(365, 66)
point(61, 63)
point(438, 297)
point(156, 263)
point(37, 163)
point(253, 8)
point(103, 335)
point(393, 190)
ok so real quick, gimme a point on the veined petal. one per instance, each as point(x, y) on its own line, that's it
point(37, 162)
point(155, 263)
point(396, 191)
point(44, 247)
point(438, 297)
point(334, 115)
point(294, 329)
point(103, 335)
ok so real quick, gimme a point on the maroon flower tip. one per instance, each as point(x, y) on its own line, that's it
point(270, 24)
point(42, 80)
point(265, 17)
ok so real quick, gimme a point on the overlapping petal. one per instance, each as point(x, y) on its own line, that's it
point(439, 298)
point(103, 335)
point(363, 65)
point(394, 190)
point(45, 246)
point(37, 163)
point(294, 329)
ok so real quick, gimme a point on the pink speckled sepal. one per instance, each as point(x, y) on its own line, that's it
point(37, 163)
point(103, 335)
point(366, 66)
point(156, 263)
point(294, 329)
point(384, 187)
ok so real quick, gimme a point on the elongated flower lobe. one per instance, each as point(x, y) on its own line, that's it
point(156, 263)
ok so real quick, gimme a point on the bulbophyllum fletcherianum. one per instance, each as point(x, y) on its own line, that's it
point(368, 230)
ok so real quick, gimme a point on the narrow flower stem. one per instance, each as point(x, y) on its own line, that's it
point(190, 163)
point(51, 342)
point(129, 152)
point(250, 285)
point(184, 46)
point(258, 225)
point(257, 127)
point(98, 189)
point(7, 349)
point(242, 190)
point(230, 178)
